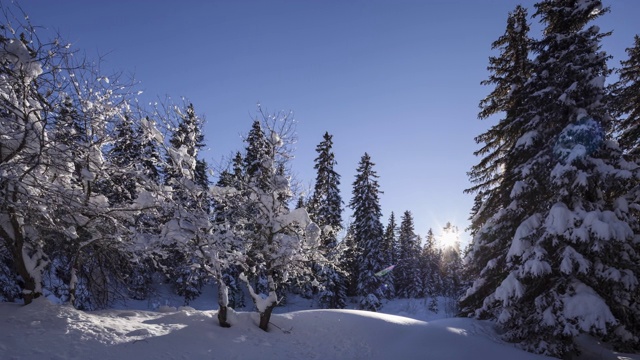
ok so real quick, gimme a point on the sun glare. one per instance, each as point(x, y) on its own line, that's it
point(449, 239)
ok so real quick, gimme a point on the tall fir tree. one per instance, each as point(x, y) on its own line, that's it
point(349, 261)
point(150, 154)
point(257, 156)
point(451, 262)
point(325, 205)
point(493, 177)
point(390, 250)
point(509, 72)
point(368, 234)
point(184, 172)
point(570, 265)
point(325, 209)
point(124, 154)
point(626, 100)
point(407, 270)
point(430, 274)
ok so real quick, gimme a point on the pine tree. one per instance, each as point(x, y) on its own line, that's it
point(451, 262)
point(390, 250)
point(150, 155)
point(569, 265)
point(349, 261)
point(185, 173)
point(509, 72)
point(406, 272)
point(257, 156)
point(430, 274)
point(367, 234)
point(626, 100)
point(325, 205)
point(125, 155)
point(390, 245)
point(325, 209)
point(493, 177)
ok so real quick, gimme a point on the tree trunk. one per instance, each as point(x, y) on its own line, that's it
point(72, 285)
point(223, 301)
point(265, 317)
point(222, 317)
point(16, 245)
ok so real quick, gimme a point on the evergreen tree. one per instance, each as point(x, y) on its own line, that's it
point(325, 209)
point(368, 234)
point(451, 262)
point(150, 155)
point(570, 265)
point(185, 173)
point(257, 156)
point(390, 250)
point(349, 261)
point(626, 100)
point(509, 72)
point(125, 155)
point(325, 205)
point(493, 177)
point(407, 270)
point(390, 245)
point(430, 275)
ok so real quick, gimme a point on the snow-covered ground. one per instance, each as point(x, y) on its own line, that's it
point(406, 330)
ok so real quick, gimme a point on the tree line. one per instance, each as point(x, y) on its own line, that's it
point(102, 198)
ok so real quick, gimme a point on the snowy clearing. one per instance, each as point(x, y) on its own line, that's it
point(44, 330)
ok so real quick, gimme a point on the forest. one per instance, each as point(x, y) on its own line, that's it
point(103, 198)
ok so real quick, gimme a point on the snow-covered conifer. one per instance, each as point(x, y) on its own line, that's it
point(368, 235)
point(407, 270)
point(560, 257)
point(626, 100)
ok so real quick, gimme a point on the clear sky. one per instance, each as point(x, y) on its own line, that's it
point(397, 79)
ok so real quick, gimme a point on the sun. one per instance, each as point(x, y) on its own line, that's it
point(449, 239)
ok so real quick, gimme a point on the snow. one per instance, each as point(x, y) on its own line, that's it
point(560, 218)
point(405, 329)
point(588, 308)
point(520, 244)
point(527, 139)
point(508, 289)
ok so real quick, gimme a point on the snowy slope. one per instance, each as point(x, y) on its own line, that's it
point(47, 331)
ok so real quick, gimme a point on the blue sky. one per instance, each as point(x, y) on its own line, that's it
point(397, 79)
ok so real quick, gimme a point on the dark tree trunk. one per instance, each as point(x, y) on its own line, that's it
point(16, 246)
point(223, 298)
point(265, 317)
point(222, 316)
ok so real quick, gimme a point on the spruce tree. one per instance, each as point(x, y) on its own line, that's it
point(571, 263)
point(185, 173)
point(626, 100)
point(509, 72)
point(325, 205)
point(125, 155)
point(258, 154)
point(325, 209)
point(349, 261)
point(406, 272)
point(451, 262)
point(493, 177)
point(150, 155)
point(430, 274)
point(390, 250)
point(368, 234)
